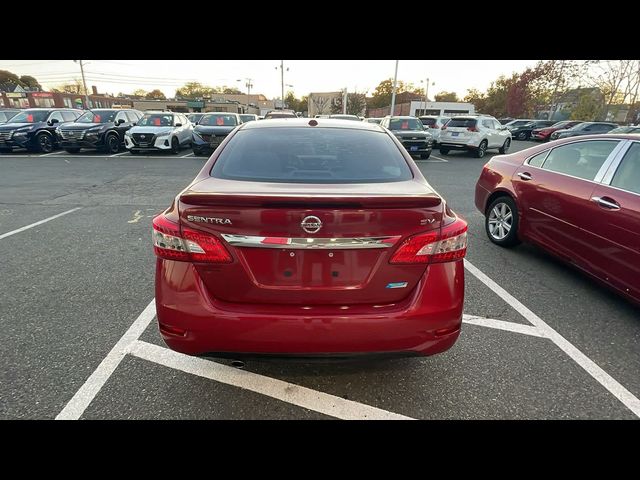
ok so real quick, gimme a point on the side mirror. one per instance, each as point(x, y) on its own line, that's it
point(53, 121)
point(178, 124)
point(120, 121)
point(196, 123)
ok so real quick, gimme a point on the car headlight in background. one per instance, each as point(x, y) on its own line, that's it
point(92, 132)
point(21, 133)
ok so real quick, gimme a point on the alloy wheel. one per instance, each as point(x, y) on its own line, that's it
point(500, 221)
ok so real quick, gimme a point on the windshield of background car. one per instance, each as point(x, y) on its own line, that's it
point(156, 120)
point(219, 120)
point(462, 122)
point(4, 116)
point(428, 122)
point(33, 116)
point(560, 125)
point(373, 120)
point(517, 123)
point(311, 155)
point(247, 118)
point(280, 115)
point(579, 126)
point(405, 124)
point(194, 118)
point(97, 116)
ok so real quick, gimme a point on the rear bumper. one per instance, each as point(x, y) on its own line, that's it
point(482, 194)
point(426, 322)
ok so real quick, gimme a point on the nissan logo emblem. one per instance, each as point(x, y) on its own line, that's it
point(143, 136)
point(311, 224)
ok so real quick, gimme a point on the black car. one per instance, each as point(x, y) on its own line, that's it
point(411, 133)
point(585, 128)
point(7, 114)
point(99, 129)
point(523, 132)
point(195, 117)
point(212, 129)
point(34, 129)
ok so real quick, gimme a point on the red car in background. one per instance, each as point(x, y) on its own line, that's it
point(309, 237)
point(578, 198)
point(543, 134)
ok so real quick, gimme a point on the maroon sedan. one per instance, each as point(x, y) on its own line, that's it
point(544, 133)
point(309, 237)
point(579, 198)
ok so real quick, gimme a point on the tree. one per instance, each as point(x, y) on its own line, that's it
point(384, 91)
point(587, 109)
point(479, 100)
point(617, 80)
point(303, 104)
point(446, 97)
point(356, 104)
point(155, 95)
point(74, 87)
point(193, 90)
point(30, 82)
point(229, 90)
point(8, 77)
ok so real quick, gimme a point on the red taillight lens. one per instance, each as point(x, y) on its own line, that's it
point(433, 247)
point(473, 129)
point(190, 246)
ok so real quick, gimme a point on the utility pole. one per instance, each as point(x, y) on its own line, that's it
point(393, 95)
point(249, 85)
point(426, 96)
point(84, 84)
point(344, 102)
point(282, 80)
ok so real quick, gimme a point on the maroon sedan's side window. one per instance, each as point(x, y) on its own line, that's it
point(580, 159)
point(538, 160)
point(627, 176)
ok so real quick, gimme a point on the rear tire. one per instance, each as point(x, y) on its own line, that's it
point(444, 151)
point(482, 149)
point(424, 156)
point(133, 152)
point(501, 222)
point(505, 148)
point(72, 150)
point(522, 136)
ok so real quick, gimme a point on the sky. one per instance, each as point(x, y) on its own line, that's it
point(304, 76)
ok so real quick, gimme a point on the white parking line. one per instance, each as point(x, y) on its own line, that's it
point(440, 158)
point(87, 392)
point(287, 392)
point(27, 227)
point(187, 155)
point(607, 381)
point(118, 154)
point(52, 153)
point(502, 325)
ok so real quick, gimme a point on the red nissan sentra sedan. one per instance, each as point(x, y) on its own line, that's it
point(309, 237)
point(578, 198)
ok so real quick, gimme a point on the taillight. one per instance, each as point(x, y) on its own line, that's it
point(436, 127)
point(434, 247)
point(473, 129)
point(190, 246)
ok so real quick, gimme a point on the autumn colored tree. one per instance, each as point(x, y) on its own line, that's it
point(30, 82)
point(155, 95)
point(446, 97)
point(356, 104)
point(193, 90)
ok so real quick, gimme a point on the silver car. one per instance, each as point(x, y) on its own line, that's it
point(433, 124)
point(166, 131)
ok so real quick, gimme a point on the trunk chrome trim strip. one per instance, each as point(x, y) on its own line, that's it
point(310, 243)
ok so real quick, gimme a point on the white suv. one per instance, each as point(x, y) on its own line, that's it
point(433, 124)
point(476, 133)
point(168, 131)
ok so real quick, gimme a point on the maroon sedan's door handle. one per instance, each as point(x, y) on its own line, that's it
point(606, 202)
point(525, 176)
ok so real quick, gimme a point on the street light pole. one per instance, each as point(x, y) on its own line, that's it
point(344, 101)
point(282, 80)
point(393, 95)
point(426, 96)
point(84, 83)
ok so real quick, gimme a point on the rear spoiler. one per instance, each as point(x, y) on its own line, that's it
point(304, 201)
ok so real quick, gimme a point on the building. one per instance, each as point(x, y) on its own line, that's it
point(416, 108)
point(17, 97)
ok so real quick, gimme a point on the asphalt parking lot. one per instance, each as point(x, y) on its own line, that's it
point(540, 340)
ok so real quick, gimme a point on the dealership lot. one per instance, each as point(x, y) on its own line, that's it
point(80, 341)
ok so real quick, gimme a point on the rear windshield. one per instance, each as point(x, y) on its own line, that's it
point(462, 122)
point(405, 124)
point(311, 155)
point(428, 121)
point(219, 120)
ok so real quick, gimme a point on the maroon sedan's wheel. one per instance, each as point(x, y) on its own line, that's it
point(502, 221)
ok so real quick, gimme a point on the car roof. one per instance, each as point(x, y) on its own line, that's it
point(220, 113)
point(321, 123)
